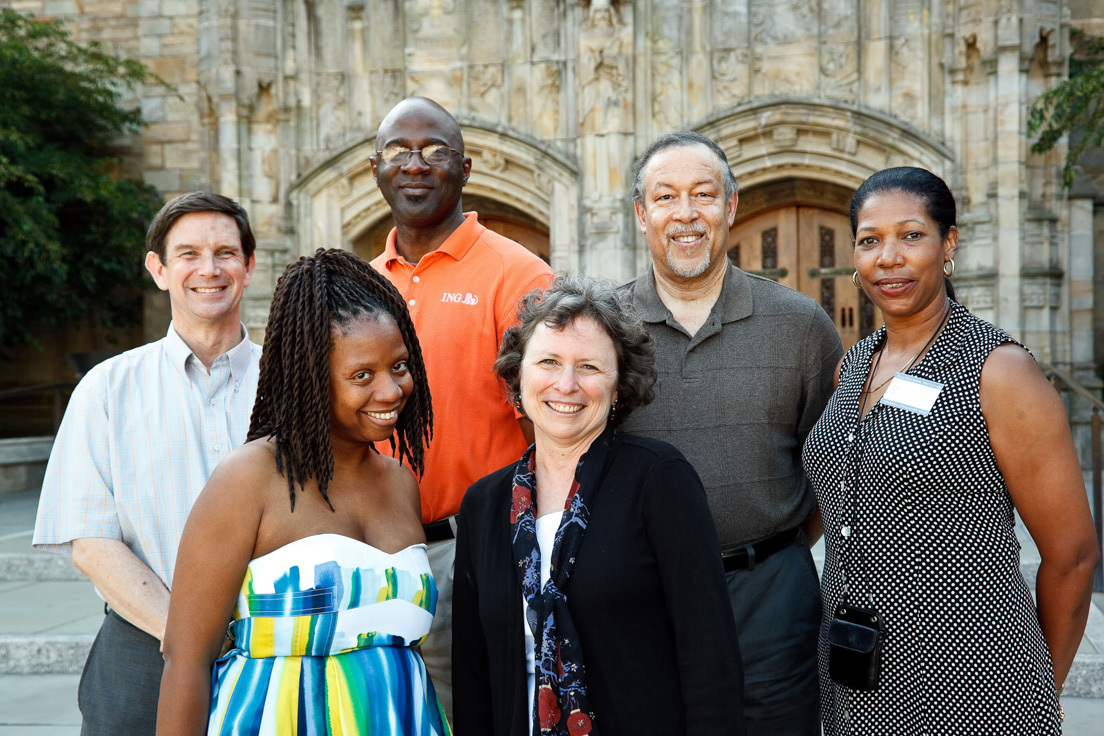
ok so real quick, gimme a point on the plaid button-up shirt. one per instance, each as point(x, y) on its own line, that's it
point(142, 433)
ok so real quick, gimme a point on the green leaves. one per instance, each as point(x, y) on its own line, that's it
point(71, 232)
point(1075, 105)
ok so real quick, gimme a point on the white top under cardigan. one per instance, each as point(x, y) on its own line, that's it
point(546, 527)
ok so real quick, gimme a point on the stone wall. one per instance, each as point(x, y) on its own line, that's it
point(277, 102)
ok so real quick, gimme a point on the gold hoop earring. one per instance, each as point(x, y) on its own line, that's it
point(950, 263)
point(855, 280)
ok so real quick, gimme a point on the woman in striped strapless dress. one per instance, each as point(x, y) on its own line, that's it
point(328, 593)
point(334, 610)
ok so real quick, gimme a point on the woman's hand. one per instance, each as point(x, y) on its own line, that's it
point(215, 549)
point(1030, 437)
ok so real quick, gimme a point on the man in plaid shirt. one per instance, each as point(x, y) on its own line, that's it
point(141, 435)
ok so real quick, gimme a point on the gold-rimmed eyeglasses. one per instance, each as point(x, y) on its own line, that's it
point(434, 154)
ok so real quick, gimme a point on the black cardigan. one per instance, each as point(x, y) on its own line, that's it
point(647, 594)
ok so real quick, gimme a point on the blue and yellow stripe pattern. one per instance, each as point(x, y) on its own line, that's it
point(328, 646)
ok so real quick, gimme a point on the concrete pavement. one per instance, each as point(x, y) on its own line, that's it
point(46, 705)
point(49, 614)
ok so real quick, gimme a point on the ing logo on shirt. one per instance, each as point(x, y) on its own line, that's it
point(458, 298)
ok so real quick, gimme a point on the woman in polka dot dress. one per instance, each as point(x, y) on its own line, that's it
point(940, 426)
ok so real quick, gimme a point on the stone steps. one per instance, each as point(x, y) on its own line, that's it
point(22, 462)
point(57, 654)
point(48, 620)
point(20, 562)
point(49, 612)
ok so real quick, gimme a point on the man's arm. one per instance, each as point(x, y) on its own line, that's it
point(823, 349)
point(77, 514)
point(128, 585)
point(542, 277)
point(813, 526)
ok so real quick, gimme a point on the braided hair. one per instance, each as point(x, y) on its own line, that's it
point(314, 296)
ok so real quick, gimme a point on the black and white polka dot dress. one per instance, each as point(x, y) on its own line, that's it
point(933, 549)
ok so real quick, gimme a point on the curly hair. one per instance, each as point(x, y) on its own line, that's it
point(315, 296)
point(566, 300)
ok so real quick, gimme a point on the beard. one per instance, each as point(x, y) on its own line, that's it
point(689, 271)
point(682, 268)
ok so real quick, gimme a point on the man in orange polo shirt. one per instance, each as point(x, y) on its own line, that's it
point(462, 284)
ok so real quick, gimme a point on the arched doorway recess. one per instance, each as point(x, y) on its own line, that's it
point(796, 231)
point(501, 218)
point(798, 163)
point(520, 187)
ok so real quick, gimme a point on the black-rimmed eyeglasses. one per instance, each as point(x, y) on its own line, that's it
point(434, 154)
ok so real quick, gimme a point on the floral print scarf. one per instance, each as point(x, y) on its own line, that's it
point(561, 707)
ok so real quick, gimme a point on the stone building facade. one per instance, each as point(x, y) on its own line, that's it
point(276, 102)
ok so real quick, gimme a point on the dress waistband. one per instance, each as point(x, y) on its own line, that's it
point(259, 637)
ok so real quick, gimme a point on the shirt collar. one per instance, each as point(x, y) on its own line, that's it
point(240, 355)
point(179, 353)
point(736, 295)
point(735, 299)
point(456, 245)
point(946, 348)
point(950, 343)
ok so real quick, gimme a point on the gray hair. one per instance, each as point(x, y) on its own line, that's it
point(566, 300)
point(678, 139)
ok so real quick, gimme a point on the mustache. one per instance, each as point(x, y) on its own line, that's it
point(686, 230)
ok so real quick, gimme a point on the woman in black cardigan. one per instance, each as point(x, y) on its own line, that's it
point(626, 628)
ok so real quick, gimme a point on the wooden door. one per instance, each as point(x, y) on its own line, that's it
point(807, 249)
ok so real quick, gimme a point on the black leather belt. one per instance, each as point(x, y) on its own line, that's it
point(746, 557)
point(438, 531)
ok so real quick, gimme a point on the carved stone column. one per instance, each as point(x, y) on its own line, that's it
point(605, 136)
point(385, 22)
point(1007, 184)
point(218, 65)
point(434, 44)
point(1081, 274)
point(875, 54)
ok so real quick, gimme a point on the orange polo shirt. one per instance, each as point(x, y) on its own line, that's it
point(462, 297)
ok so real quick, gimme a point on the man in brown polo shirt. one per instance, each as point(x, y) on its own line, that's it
point(745, 367)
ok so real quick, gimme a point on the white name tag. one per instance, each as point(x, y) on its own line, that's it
point(912, 394)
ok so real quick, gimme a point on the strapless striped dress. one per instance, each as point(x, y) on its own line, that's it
point(325, 631)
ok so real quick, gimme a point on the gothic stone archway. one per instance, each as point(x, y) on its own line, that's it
point(798, 162)
point(796, 231)
point(527, 188)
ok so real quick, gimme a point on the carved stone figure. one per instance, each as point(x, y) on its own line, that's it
point(839, 71)
point(436, 33)
point(389, 87)
point(492, 160)
point(603, 70)
point(442, 86)
point(666, 91)
point(730, 76)
point(547, 82)
point(602, 14)
point(485, 85)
